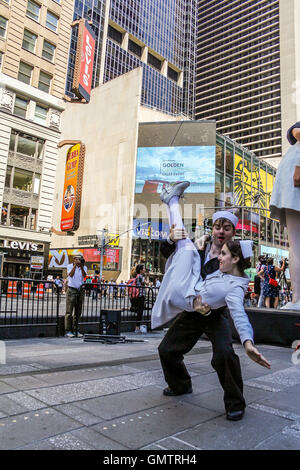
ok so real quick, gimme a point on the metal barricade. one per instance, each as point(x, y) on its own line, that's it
point(110, 297)
point(28, 302)
point(39, 305)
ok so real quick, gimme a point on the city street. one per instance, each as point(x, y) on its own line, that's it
point(58, 393)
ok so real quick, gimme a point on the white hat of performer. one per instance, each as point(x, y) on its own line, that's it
point(247, 248)
point(225, 215)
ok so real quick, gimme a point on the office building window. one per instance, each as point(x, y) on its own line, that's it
point(114, 34)
point(3, 24)
point(29, 41)
point(45, 82)
point(40, 115)
point(20, 108)
point(25, 72)
point(22, 179)
point(8, 176)
point(135, 48)
point(172, 74)
point(154, 61)
point(4, 211)
point(19, 216)
point(52, 21)
point(33, 10)
point(48, 51)
point(26, 144)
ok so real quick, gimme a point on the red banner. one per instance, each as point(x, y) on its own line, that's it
point(84, 61)
point(112, 256)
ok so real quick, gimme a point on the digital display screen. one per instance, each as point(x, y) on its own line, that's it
point(159, 165)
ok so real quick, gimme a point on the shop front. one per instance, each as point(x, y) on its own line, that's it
point(23, 258)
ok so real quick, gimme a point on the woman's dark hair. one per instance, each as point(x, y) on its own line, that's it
point(139, 268)
point(270, 261)
point(235, 249)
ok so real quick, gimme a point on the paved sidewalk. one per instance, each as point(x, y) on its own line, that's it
point(58, 393)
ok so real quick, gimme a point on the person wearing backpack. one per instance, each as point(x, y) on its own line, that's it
point(140, 299)
point(136, 292)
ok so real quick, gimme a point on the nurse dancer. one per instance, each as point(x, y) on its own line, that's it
point(183, 289)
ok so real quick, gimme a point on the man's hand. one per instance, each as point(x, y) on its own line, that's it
point(199, 306)
point(254, 354)
point(297, 177)
point(177, 234)
point(201, 242)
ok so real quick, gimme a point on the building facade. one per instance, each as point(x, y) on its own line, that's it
point(248, 71)
point(244, 184)
point(157, 35)
point(34, 43)
point(112, 201)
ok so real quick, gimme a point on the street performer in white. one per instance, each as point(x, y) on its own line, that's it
point(184, 290)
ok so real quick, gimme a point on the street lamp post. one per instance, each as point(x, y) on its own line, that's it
point(101, 247)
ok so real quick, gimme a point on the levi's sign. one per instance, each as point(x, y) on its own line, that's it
point(18, 245)
point(84, 61)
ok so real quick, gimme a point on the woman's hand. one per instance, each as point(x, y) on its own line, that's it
point(254, 354)
point(177, 234)
point(297, 177)
point(199, 306)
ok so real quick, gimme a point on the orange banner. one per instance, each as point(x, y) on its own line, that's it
point(70, 188)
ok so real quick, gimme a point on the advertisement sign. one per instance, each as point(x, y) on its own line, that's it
point(61, 258)
point(113, 239)
point(158, 165)
point(253, 185)
point(250, 223)
point(159, 230)
point(36, 262)
point(70, 214)
point(84, 61)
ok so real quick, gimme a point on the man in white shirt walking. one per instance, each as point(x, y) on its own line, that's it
point(75, 296)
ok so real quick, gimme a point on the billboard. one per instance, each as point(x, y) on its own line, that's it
point(253, 185)
point(159, 165)
point(70, 214)
point(155, 230)
point(37, 262)
point(60, 258)
point(84, 60)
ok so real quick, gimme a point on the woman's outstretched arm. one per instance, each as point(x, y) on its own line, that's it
point(235, 302)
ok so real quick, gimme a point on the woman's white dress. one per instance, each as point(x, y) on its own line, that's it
point(284, 194)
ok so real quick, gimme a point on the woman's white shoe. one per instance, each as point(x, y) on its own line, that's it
point(173, 189)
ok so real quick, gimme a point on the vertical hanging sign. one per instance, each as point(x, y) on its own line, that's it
point(70, 215)
point(84, 60)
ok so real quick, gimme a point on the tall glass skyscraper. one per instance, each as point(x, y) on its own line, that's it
point(158, 35)
point(239, 71)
